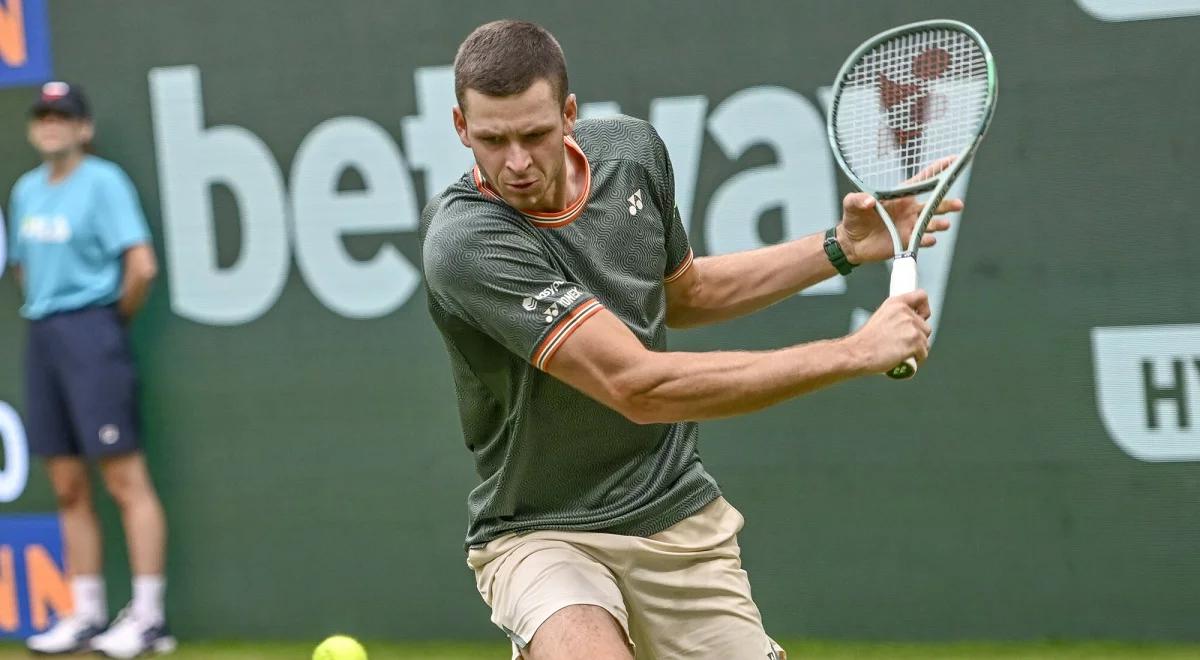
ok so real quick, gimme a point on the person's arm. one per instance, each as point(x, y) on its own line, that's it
point(732, 285)
point(140, 269)
point(124, 235)
point(723, 287)
point(13, 256)
point(604, 360)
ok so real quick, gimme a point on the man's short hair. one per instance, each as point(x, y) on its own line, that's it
point(507, 57)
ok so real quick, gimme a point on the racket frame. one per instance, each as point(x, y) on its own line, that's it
point(904, 268)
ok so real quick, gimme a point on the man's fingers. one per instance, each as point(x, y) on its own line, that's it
point(924, 311)
point(937, 166)
point(859, 201)
point(933, 169)
point(938, 223)
point(950, 206)
point(915, 299)
point(922, 352)
point(928, 241)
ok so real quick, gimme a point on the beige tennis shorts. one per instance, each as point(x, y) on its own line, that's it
point(680, 593)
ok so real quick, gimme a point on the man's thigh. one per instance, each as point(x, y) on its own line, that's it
point(526, 581)
point(579, 631)
point(688, 596)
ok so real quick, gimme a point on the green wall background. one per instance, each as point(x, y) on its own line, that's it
point(312, 465)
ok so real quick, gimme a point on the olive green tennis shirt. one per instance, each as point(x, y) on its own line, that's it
point(507, 289)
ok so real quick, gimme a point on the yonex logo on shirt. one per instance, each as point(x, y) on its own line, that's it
point(41, 229)
point(635, 202)
point(567, 298)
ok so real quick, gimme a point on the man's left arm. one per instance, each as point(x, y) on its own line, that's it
point(140, 267)
point(125, 235)
point(719, 288)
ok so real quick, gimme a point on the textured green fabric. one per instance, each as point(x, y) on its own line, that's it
point(506, 290)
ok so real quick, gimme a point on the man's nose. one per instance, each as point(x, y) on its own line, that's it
point(517, 159)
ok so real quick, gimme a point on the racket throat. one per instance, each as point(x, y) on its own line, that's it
point(904, 274)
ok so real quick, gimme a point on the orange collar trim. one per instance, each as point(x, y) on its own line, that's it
point(552, 219)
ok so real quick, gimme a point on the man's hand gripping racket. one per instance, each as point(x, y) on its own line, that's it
point(910, 107)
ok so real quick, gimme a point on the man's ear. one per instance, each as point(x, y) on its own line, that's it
point(570, 114)
point(87, 131)
point(460, 126)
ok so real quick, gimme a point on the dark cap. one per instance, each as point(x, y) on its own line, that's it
point(61, 97)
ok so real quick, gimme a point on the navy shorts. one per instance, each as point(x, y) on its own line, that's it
point(81, 385)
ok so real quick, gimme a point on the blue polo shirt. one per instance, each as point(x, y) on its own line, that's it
point(69, 236)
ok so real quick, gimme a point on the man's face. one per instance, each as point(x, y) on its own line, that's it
point(56, 135)
point(518, 143)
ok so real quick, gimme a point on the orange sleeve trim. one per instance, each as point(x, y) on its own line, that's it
point(562, 331)
point(680, 269)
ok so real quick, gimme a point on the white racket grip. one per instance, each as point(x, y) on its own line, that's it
point(904, 275)
point(904, 280)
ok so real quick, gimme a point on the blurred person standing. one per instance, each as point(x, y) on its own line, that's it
point(81, 250)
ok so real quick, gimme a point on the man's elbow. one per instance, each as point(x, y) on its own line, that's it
point(144, 269)
point(635, 396)
point(148, 272)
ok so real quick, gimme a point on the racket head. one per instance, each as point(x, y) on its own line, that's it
point(908, 97)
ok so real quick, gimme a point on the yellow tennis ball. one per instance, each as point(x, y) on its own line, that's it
point(339, 647)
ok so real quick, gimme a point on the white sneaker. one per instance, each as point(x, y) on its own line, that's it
point(130, 637)
point(72, 634)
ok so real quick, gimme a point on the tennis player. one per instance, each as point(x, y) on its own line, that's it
point(553, 269)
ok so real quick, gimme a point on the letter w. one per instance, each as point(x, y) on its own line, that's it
point(12, 34)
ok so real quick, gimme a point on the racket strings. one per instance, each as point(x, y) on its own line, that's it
point(909, 101)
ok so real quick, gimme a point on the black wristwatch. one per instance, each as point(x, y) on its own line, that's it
point(833, 250)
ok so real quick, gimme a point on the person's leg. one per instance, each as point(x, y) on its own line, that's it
point(553, 600)
point(688, 595)
point(145, 525)
point(76, 514)
point(51, 436)
point(142, 626)
point(579, 631)
point(101, 392)
point(81, 536)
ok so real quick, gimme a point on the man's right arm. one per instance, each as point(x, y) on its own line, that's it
point(604, 360)
point(12, 257)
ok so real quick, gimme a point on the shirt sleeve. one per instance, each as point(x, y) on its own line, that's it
point(504, 283)
point(679, 249)
point(119, 216)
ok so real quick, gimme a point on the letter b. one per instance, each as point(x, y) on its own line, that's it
point(191, 159)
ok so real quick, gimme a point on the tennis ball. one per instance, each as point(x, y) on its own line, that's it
point(339, 647)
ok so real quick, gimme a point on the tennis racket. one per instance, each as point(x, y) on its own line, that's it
point(910, 106)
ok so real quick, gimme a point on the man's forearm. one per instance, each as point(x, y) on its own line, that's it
point(671, 387)
point(733, 285)
point(134, 291)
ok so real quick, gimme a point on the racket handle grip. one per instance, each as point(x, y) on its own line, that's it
point(904, 275)
point(904, 280)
